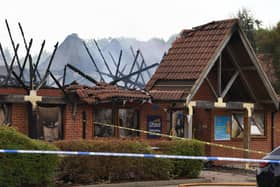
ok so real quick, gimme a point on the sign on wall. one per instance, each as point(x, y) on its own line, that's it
point(222, 128)
point(154, 124)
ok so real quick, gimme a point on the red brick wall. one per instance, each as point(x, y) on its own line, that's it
point(204, 93)
point(73, 127)
point(19, 118)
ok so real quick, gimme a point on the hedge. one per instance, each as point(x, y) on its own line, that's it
point(25, 169)
point(183, 168)
point(96, 169)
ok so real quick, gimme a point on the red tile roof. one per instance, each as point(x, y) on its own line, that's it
point(104, 91)
point(192, 51)
point(167, 94)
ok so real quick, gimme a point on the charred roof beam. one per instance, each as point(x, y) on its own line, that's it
point(25, 59)
point(82, 74)
point(11, 66)
point(143, 61)
point(102, 56)
point(43, 81)
point(134, 73)
point(93, 61)
point(4, 58)
point(13, 45)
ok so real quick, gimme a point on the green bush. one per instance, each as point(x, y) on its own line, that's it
point(95, 169)
point(25, 169)
point(183, 168)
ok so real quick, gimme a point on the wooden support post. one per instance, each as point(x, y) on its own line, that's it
point(190, 116)
point(220, 76)
point(247, 129)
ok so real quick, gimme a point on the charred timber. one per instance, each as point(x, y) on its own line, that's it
point(93, 61)
point(13, 44)
point(11, 67)
point(107, 66)
point(134, 73)
point(82, 74)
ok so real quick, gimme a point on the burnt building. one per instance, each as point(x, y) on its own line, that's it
point(209, 86)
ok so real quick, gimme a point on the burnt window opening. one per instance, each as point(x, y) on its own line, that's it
point(257, 123)
point(129, 118)
point(237, 125)
point(178, 122)
point(103, 115)
point(5, 114)
point(49, 121)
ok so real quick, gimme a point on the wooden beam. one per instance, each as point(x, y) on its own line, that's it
point(244, 68)
point(220, 75)
point(211, 87)
point(229, 84)
point(20, 99)
point(235, 62)
point(229, 105)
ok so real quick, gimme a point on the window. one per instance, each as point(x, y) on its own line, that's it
point(258, 123)
point(50, 123)
point(178, 122)
point(128, 118)
point(5, 114)
point(103, 115)
point(237, 125)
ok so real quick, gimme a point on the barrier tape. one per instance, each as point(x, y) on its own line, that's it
point(81, 153)
point(181, 138)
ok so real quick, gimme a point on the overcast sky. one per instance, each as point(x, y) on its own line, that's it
point(53, 20)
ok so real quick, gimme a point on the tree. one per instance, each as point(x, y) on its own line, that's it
point(249, 24)
point(267, 42)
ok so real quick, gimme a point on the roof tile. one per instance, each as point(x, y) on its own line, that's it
point(191, 52)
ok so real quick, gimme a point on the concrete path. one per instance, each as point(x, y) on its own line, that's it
point(205, 176)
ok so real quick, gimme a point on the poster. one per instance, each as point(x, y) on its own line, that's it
point(222, 128)
point(154, 125)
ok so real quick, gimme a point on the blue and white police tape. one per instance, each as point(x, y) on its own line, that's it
point(81, 153)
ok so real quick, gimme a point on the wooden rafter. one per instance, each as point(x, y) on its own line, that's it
point(235, 62)
point(229, 84)
point(211, 87)
point(220, 75)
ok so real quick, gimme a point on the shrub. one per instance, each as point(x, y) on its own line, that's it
point(183, 168)
point(94, 169)
point(25, 169)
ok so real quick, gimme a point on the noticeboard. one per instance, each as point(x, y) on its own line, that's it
point(154, 124)
point(222, 128)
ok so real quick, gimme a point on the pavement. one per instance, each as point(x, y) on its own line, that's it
point(206, 176)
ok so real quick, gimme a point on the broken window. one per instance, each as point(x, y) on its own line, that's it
point(237, 125)
point(5, 114)
point(128, 118)
point(103, 115)
point(258, 123)
point(49, 121)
